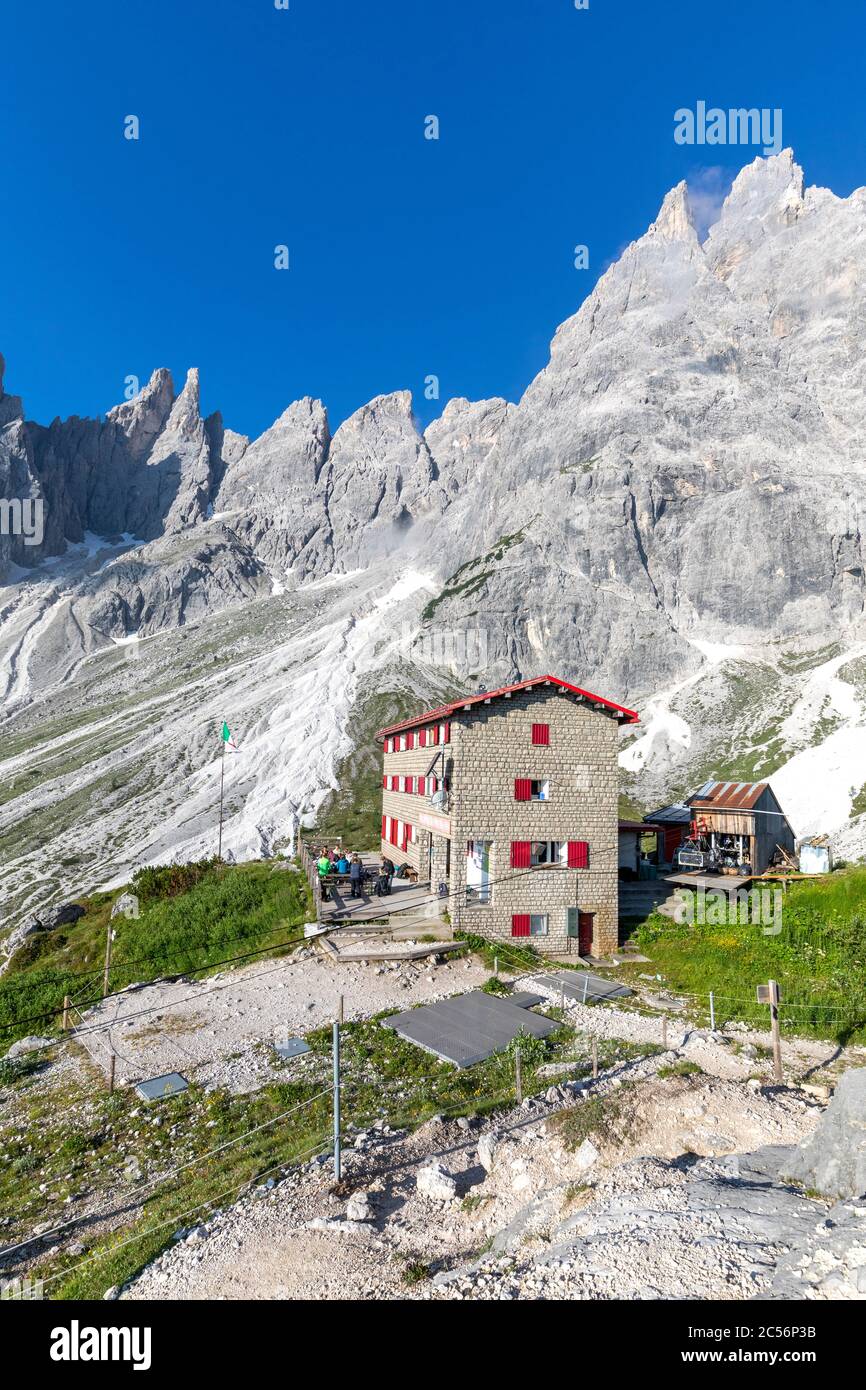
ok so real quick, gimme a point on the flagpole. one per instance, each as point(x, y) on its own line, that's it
point(222, 787)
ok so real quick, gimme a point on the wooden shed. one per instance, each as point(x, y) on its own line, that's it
point(743, 823)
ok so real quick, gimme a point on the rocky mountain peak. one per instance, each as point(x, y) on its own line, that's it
point(142, 419)
point(675, 221)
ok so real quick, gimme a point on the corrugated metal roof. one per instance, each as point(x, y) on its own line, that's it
point(628, 716)
point(727, 796)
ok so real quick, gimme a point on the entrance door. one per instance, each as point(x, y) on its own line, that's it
point(581, 925)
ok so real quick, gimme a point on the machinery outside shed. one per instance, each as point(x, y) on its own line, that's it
point(737, 828)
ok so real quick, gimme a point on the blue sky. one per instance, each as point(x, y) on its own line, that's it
point(408, 257)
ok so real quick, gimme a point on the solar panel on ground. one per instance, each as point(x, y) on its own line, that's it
point(583, 985)
point(469, 1028)
point(169, 1085)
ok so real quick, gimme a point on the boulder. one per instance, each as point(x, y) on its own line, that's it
point(436, 1182)
point(833, 1161)
point(358, 1207)
point(32, 1043)
point(487, 1146)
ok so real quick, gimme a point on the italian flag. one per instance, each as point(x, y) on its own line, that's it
point(228, 739)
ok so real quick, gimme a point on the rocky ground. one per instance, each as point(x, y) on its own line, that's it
point(652, 1203)
point(222, 1026)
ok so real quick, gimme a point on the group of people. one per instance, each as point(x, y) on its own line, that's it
point(338, 862)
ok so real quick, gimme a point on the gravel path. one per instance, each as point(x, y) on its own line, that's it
point(219, 1025)
point(299, 1238)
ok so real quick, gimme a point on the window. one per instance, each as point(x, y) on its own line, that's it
point(531, 789)
point(402, 743)
point(538, 924)
point(479, 888)
point(548, 852)
point(541, 735)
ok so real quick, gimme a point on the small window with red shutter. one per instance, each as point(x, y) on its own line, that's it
point(541, 735)
point(578, 854)
point(410, 785)
point(520, 923)
point(521, 851)
point(522, 789)
point(410, 740)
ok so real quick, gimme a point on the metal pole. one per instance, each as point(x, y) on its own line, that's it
point(66, 1002)
point(496, 965)
point(222, 789)
point(777, 1040)
point(338, 1165)
point(107, 966)
point(585, 987)
point(340, 1010)
point(518, 1076)
point(712, 1013)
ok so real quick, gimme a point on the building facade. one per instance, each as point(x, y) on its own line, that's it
point(507, 803)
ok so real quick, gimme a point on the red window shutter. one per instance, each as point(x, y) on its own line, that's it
point(520, 924)
point(578, 854)
point(410, 741)
point(434, 781)
point(522, 789)
point(435, 732)
point(541, 734)
point(521, 854)
point(385, 783)
point(422, 738)
point(410, 785)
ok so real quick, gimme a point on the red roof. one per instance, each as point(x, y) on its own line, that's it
point(628, 716)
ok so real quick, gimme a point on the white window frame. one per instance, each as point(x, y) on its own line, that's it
point(543, 921)
point(543, 794)
point(556, 854)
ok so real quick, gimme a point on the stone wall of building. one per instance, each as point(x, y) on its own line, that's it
point(492, 746)
point(411, 762)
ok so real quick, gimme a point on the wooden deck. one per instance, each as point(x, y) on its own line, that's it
point(719, 883)
point(406, 900)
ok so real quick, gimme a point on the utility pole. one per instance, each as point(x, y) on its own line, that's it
point(338, 1164)
point(222, 791)
point(108, 940)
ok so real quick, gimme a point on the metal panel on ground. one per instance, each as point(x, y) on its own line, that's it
point(169, 1085)
point(582, 985)
point(291, 1047)
point(469, 1028)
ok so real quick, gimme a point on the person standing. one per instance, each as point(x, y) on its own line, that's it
point(356, 876)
